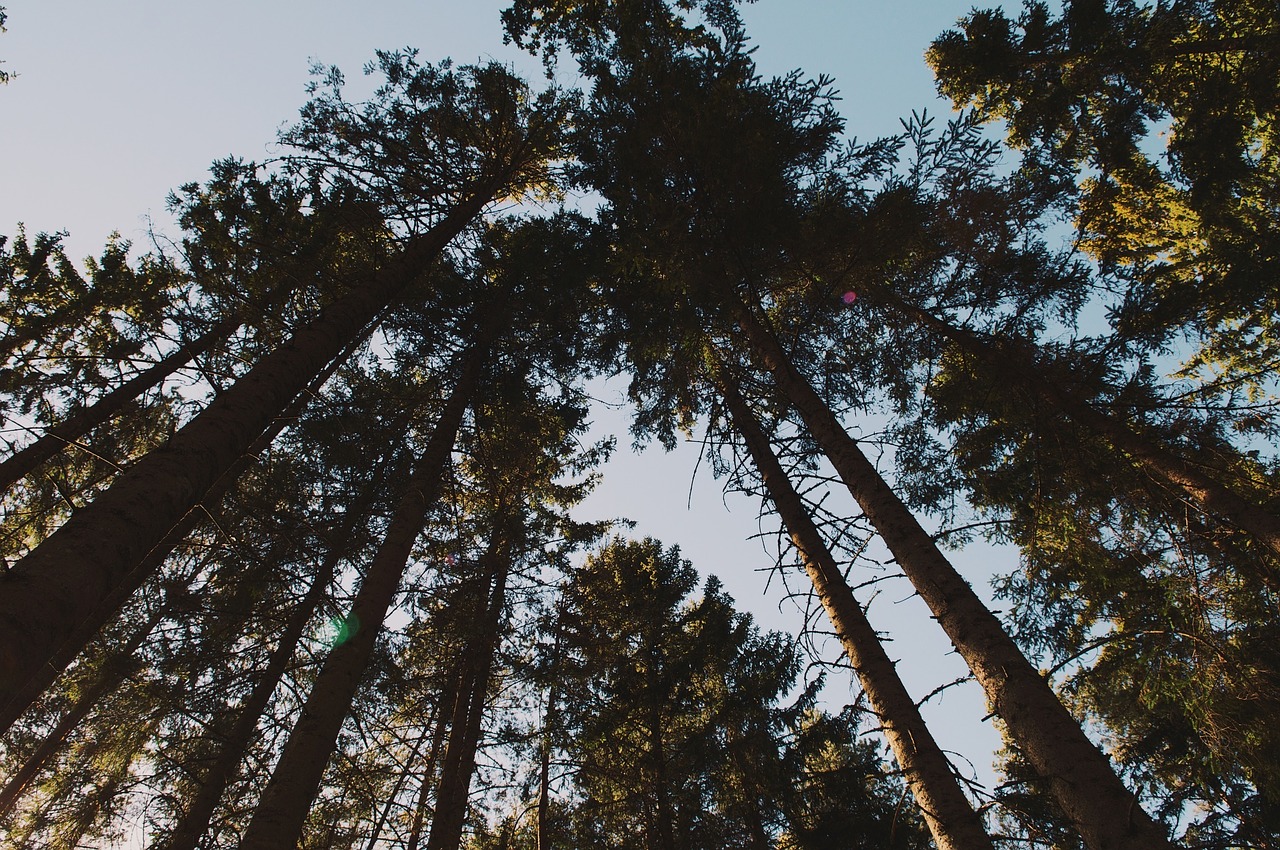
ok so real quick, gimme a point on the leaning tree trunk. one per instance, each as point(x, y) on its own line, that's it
point(1080, 777)
point(45, 596)
point(234, 737)
point(449, 697)
point(93, 623)
point(459, 765)
point(951, 819)
point(282, 811)
point(1205, 492)
point(375, 834)
point(115, 670)
point(77, 425)
point(544, 755)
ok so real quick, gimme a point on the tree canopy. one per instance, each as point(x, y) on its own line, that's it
point(294, 552)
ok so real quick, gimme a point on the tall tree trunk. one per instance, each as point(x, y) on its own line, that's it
point(50, 591)
point(80, 423)
point(459, 763)
point(951, 819)
point(282, 811)
point(375, 834)
point(233, 734)
point(1080, 777)
point(115, 670)
point(1208, 494)
point(90, 625)
point(544, 761)
point(448, 698)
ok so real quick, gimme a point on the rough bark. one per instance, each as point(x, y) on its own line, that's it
point(282, 811)
point(1080, 777)
point(58, 584)
point(951, 819)
point(459, 764)
point(1201, 489)
point(92, 624)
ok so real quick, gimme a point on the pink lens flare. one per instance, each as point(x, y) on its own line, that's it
point(849, 297)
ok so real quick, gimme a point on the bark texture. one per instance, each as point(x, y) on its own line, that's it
point(1080, 777)
point(951, 819)
point(92, 623)
point(62, 581)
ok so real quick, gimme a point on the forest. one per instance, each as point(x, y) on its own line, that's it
point(290, 548)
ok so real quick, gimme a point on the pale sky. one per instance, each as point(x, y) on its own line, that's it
point(116, 104)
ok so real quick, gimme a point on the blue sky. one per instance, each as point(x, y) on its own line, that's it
point(116, 104)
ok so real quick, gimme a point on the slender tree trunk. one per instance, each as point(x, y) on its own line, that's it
point(287, 798)
point(233, 735)
point(93, 623)
point(429, 769)
point(115, 670)
point(376, 833)
point(951, 819)
point(459, 763)
point(1080, 777)
point(544, 762)
point(58, 584)
point(80, 423)
point(1202, 490)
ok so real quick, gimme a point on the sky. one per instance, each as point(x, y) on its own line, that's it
point(114, 105)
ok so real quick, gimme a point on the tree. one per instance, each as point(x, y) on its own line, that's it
point(951, 818)
point(1085, 93)
point(67, 572)
point(286, 799)
point(657, 158)
point(639, 665)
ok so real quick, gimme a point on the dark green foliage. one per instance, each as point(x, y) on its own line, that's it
point(620, 701)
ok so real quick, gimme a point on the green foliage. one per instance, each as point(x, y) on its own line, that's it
point(1190, 230)
point(668, 704)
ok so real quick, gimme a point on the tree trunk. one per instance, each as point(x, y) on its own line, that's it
point(80, 423)
point(376, 833)
point(1080, 777)
point(287, 798)
point(951, 819)
point(459, 764)
point(234, 738)
point(1205, 492)
point(115, 670)
point(544, 763)
point(90, 625)
point(429, 769)
point(50, 591)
